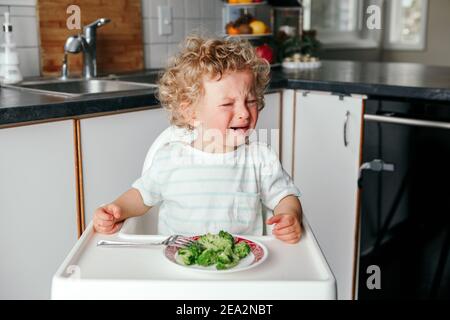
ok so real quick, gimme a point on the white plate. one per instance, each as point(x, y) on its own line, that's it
point(258, 254)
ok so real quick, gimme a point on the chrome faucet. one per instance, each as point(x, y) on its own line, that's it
point(87, 43)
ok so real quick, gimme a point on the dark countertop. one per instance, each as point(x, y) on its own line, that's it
point(380, 80)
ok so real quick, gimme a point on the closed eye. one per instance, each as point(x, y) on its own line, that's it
point(227, 105)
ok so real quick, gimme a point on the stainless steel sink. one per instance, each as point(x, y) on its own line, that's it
point(150, 78)
point(81, 87)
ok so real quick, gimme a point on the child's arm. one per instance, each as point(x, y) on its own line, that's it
point(109, 218)
point(288, 219)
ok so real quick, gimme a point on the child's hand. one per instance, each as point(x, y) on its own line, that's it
point(287, 228)
point(107, 219)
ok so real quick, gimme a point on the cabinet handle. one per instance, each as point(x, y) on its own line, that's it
point(347, 117)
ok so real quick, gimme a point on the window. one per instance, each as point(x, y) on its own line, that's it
point(339, 23)
point(331, 15)
point(406, 25)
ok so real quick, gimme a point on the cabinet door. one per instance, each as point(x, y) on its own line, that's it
point(326, 163)
point(287, 130)
point(37, 207)
point(113, 151)
point(268, 125)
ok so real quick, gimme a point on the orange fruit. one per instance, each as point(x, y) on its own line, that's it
point(232, 30)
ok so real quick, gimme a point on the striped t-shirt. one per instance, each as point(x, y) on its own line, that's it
point(200, 192)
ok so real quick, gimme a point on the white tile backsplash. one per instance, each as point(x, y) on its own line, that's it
point(25, 31)
point(25, 34)
point(173, 49)
point(23, 11)
point(29, 61)
point(209, 26)
point(156, 55)
point(192, 9)
point(155, 37)
point(177, 8)
point(150, 7)
point(188, 15)
point(199, 16)
point(18, 3)
point(208, 9)
point(192, 26)
point(177, 31)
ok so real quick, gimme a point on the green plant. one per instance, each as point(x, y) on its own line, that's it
point(306, 44)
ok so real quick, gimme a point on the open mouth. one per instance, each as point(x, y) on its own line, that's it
point(240, 129)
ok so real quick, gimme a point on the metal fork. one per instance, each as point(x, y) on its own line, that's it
point(174, 240)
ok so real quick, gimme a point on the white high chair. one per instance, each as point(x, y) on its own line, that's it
point(297, 271)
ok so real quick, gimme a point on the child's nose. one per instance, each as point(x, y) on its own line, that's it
point(243, 113)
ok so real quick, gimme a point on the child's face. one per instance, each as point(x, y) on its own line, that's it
point(228, 109)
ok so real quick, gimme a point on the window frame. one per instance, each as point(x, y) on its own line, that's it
point(390, 28)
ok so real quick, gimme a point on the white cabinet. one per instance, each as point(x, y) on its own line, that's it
point(287, 130)
point(113, 150)
point(269, 121)
point(327, 152)
point(37, 206)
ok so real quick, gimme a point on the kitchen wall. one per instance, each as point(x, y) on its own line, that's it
point(205, 16)
point(437, 50)
point(23, 19)
point(188, 15)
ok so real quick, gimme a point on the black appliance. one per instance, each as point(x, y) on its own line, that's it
point(405, 200)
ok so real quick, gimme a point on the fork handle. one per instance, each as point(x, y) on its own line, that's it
point(110, 243)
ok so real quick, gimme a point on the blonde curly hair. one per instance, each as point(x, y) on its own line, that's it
point(182, 80)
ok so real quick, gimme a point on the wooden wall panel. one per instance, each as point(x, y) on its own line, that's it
point(119, 43)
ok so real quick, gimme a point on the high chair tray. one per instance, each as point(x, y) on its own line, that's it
point(290, 272)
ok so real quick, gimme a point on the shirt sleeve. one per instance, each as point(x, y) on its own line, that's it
point(149, 184)
point(275, 181)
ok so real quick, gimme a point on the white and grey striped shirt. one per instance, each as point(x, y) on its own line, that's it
point(200, 192)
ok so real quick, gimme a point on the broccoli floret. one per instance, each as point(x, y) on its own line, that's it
point(218, 249)
point(227, 259)
point(190, 254)
point(242, 249)
point(226, 256)
point(196, 248)
point(225, 235)
point(215, 242)
point(233, 261)
point(207, 258)
point(187, 256)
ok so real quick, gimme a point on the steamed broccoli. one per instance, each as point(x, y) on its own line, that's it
point(187, 257)
point(224, 266)
point(242, 249)
point(215, 241)
point(207, 258)
point(225, 235)
point(218, 249)
point(190, 254)
point(227, 259)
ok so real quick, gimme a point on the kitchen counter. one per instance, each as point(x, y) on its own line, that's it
point(388, 80)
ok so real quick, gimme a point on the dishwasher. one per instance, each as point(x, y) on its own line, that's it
point(405, 200)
